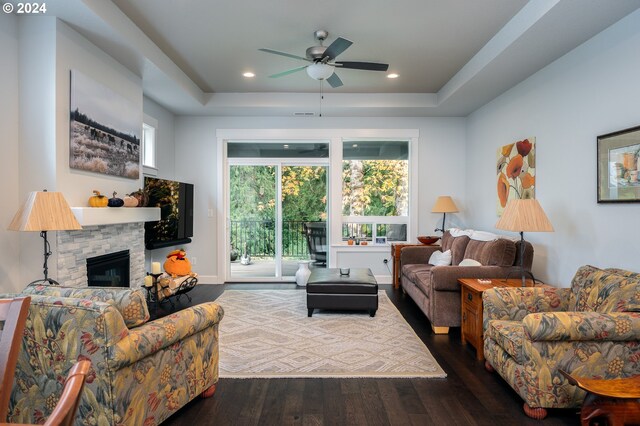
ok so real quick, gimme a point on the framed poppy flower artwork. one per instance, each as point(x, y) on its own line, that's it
point(618, 165)
point(516, 172)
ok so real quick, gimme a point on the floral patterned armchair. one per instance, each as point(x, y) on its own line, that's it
point(591, 329)
point(141, 371)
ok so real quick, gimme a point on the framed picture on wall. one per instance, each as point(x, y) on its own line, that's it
point(104, 129)
point(516, 172)
point(618, 166)
point(381, 240)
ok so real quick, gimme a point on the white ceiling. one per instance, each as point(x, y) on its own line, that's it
point(452, 56)
point(425, 41)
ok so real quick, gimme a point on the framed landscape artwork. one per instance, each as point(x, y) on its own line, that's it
point(618, 164)
point(105, 127)
point(516, 172)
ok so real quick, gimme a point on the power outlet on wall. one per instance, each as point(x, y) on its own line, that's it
point(194, 260)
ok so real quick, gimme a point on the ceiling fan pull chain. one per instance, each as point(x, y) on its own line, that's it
point(321, 98)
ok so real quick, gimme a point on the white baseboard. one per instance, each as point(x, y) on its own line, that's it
point(213, 279)
point(383, 279)
point(208, 279)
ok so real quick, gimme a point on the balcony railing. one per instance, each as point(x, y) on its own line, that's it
point(259, 238)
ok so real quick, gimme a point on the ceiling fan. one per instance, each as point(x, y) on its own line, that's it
point(322, 60)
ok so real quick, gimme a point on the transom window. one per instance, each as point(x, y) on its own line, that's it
point(149, 142)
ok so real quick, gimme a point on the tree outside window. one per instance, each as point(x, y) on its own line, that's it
point(375, 183)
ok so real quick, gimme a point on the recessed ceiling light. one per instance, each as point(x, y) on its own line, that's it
point(393, 75)
point(248, 74)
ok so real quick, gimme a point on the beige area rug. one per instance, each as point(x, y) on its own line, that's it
point(267, 334)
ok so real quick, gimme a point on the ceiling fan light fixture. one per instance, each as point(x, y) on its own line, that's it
point(319, 71)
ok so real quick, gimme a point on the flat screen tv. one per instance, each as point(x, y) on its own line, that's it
point(175, 200)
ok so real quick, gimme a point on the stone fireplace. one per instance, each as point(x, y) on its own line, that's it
point(74, 247)
point(109, 270)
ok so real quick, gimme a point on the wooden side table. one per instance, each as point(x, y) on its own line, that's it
point(616, 400)
point(396, 248)
point(471, 305)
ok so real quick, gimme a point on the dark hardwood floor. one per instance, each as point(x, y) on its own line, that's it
point(468, 396)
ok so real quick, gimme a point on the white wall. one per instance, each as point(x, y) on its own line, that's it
point(441, 151)
point(165, 162)
point(74, 52)
point(9, 173)
point(37, 149)
point(165, 138)
point(48, 50)
point(591, 91)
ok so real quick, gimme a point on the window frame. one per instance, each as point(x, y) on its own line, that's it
point(149, 123)
point(336, 136)
point(410, 219)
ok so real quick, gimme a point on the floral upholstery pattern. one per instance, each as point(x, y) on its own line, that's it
point(138, 376)
point(509, 335)
point(590, 330)
point(130, 302)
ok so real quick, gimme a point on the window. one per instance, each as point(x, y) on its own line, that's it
point(148, 146)
point(375, 189)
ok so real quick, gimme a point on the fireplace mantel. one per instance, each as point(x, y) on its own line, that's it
point(92, 216)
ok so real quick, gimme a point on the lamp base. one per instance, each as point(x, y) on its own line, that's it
point(45, 281)
point(522, 275)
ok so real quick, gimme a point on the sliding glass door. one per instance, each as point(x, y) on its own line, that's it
point(277, 213)
point(252, 221)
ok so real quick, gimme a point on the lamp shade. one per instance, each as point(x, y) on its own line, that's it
point(524, 215)
point(44, 211)
point(319, 71)
point(444, 204)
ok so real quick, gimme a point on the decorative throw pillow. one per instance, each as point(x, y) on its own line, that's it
point(469, 262)
point(439, 258)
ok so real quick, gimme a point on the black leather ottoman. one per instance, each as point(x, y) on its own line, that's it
point(327, 289)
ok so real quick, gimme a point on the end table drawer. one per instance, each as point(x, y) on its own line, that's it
point(471, 298)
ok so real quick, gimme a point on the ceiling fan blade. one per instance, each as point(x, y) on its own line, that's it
point(288, 55)
point(367, 66)
point(283, 73)
point(338, 46)
point(334, 81)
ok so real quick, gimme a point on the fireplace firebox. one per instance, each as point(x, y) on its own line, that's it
point(109, 270)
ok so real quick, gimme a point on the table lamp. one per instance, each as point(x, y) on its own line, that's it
point(444, 204)
point(45, 211)
point(524, 216)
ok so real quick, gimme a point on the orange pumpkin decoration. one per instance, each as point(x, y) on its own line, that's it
point(177, 263)
point(98, 200)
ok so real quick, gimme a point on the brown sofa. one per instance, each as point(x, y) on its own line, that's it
point(435, 289)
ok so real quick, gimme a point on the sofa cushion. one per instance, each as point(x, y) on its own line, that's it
point(500, 252)
point(509, 335)
point(419, 275)
point(581, 286)
point(411, 271)
point(623, 272)
point(605, 290)
point(130, 302)
point(457, 245)
point(618, 293)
